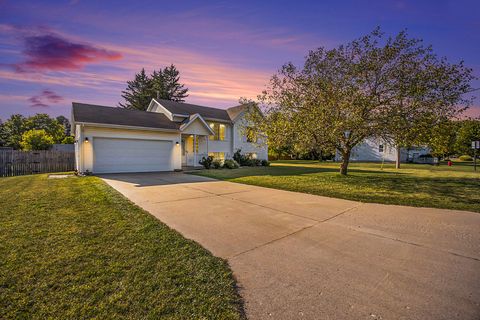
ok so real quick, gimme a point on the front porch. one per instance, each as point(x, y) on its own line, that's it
point(194, 148)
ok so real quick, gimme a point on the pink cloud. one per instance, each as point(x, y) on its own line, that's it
point(44, 99)
point(473, 112)
point(50, 52)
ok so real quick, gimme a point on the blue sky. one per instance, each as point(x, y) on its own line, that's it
point(56, 52)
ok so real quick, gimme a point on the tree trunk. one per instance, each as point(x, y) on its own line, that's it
point(397, 162)
point(345, 162)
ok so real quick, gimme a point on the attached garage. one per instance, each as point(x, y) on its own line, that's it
point(112, 155)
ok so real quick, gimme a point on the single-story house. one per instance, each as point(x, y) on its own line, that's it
point(376, 150)
point(168, 136)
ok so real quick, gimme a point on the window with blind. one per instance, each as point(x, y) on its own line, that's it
point(219, 130)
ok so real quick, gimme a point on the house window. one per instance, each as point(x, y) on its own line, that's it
point(219, 130)
point(251, 136)
point(380, 148)
point(217, 155)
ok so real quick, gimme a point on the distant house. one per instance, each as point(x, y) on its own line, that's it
point(376, 150)
point(168, 136)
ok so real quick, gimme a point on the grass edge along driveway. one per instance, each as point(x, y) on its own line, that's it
point(455, 187)
point(76, 248)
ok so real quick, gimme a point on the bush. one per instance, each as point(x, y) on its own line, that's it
point(36, 140)
point(465, 158)
point(68, 140)
point(217, 164)
point(230, 164)
point(206, 162)
point(257, 162)
point(265, 163)
point(240, 158)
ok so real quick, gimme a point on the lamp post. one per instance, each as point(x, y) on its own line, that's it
point(475, 146)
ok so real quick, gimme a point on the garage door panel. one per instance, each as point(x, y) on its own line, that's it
point(131, 155)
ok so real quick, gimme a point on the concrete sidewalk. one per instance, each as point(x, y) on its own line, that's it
point(300, 256)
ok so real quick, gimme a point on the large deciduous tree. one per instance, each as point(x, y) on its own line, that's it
point(12, 130)
point(371, 87)
point(162, 84)
point(469, 130)
point(36, 140)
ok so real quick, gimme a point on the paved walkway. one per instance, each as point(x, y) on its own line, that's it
point(300, 256)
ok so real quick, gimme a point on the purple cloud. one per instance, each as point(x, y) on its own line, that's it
point(45, 98)
point(52, 52)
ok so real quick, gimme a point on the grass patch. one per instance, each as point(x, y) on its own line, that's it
point(455, 187)
point(74, 248)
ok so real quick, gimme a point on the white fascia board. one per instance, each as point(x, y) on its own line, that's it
point(218, 120)
point(120, 126)
point(165, 110)
point(192, 120)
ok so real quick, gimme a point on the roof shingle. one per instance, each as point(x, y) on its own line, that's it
point(189, 109)
point(118, 116)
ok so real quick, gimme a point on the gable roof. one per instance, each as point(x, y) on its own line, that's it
point(234, 112)
point(188, 109)
point(191, 119)
point(90, 113)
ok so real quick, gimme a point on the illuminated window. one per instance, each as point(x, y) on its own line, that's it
point(251, 135)
point(219, 130)
point(217, 155)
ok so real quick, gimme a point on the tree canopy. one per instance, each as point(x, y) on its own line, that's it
point(163, 83)
point(12, 130)
point(375, 86)
point(36, 140)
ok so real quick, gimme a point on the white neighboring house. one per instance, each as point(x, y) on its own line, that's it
point(168, 136)
point(374, 150)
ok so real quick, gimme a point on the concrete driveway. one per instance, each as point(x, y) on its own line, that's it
point(300, 256)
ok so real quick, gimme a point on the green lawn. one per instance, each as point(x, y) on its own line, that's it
point(456, 187)
point(76, 249)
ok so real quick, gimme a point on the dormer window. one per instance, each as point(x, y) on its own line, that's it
point(219, 130)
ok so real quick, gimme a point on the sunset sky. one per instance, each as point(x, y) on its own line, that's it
point(56, 52)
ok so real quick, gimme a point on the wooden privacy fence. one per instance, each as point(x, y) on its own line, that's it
point(16, 162)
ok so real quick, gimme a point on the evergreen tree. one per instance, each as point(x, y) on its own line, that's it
point(172, 88)
point(138, 93)
point(162, 84)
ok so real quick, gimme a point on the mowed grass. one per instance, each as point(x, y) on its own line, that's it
point(456, 187)
point(76, 249)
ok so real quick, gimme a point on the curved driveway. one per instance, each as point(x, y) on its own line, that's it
point(300, 256)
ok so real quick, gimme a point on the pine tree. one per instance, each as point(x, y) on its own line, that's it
point(162, 84)
point(172, 88)
point(138, 93)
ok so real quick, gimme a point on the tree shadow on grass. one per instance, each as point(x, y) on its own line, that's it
point(289, 170)
point(403, 188)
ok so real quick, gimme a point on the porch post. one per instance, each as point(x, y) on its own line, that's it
point(206, 137)
point(194, 150)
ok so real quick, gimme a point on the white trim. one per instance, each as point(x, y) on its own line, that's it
point(166, 111)
point(120, 126)
point(218, 120)
point(205, 118)
point(192, 120)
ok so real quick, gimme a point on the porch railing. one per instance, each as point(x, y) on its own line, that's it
point(191, 160)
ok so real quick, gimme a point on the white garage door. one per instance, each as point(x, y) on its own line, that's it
point(131, 155)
